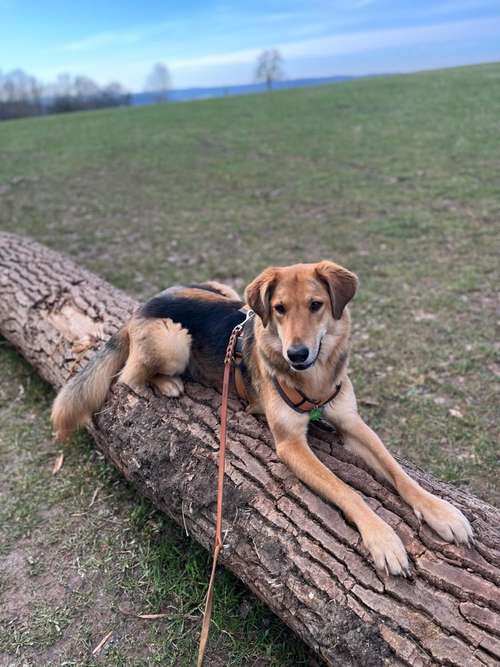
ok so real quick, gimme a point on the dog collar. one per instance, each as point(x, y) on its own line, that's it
point(299, 402)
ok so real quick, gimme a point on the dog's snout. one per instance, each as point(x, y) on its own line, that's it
point(297, 353)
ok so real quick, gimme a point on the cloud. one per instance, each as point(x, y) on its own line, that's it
point(102, 39)
point(192, 62)
point(116, 37)
point(370, 40)
point(354, 42)
point(231, 58)
point(220, 22)
point(458, 6)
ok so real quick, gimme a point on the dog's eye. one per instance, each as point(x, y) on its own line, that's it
point(314, 306)
point(280, 308)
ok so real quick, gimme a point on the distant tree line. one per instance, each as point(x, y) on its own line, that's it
point(22, 95)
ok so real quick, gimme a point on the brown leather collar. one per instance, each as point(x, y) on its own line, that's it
point(298, 401)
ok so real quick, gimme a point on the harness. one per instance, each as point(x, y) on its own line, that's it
point(238, 361)
point(299, 402)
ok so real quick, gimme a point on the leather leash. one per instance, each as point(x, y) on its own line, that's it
point(228, 364)
point(302, 405)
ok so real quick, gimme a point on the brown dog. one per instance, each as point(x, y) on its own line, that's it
point(296, 348)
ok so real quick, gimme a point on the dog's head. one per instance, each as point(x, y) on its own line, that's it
point(300, 304)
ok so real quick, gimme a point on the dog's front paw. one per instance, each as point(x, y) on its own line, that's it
point(171, 386)
point(386, 548)
point(445, 519)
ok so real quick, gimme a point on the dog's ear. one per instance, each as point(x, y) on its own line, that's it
point(258, 294)
point(340, 283)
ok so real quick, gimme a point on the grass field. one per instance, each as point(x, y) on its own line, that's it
point(398, 178)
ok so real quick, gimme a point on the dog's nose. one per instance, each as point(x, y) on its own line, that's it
point(297, 353)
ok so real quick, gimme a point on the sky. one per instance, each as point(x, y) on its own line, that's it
point(207, 43)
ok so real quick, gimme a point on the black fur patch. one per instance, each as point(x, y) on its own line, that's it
point(209, 322)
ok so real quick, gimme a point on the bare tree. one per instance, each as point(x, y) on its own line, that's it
point(158, 82)
point(65, 85)
point(269, 67)
point(20, 95)
point(82, 93)
point(116, 94)
point(23, 95)
point(85, 88)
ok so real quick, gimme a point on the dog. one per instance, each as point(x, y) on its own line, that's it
point(294, 348)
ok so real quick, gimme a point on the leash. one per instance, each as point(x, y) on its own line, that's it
point(228, 364)
point(297, 400)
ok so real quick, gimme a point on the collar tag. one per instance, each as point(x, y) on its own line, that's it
point(315, 414)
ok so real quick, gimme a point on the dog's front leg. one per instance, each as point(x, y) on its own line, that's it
point(289, 430)
point(444, 518)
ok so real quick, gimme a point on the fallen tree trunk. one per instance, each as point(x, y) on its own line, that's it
point(291, 548)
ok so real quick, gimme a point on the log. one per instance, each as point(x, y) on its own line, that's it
point(292, 549)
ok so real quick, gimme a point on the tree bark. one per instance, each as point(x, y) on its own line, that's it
point(295, 551)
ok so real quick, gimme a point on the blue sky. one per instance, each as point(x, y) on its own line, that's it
point(216, 43)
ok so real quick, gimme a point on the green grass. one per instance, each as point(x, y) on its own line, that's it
point(398, 178)
point(72, 569)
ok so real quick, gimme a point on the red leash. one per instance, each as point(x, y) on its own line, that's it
point(207, 614)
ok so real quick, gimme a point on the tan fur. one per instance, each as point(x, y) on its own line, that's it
point(159, 351)
point(86, 391)
point(226, 291)
point(155, 351)
point(157, 347)
point(202, 292)
point(328, 331)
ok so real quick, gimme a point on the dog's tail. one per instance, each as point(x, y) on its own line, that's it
point(86, 391)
